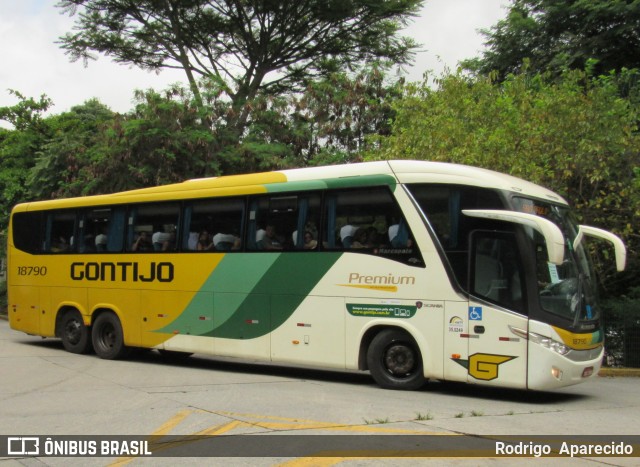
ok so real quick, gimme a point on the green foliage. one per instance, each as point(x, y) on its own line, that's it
point(344, 111)
point(19, 149)
point(622, 328)
point(254, 47)
point(26, 114)
point(171, 136)
point(70, 145)
point(576, 136)
point(552, 35)
point(163, 140)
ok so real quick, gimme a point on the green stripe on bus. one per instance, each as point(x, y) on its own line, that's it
point(361, 181)
point(344, 182)
point(277, 295)
point(252, 294)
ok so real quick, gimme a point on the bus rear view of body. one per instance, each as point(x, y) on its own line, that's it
point(410, 270)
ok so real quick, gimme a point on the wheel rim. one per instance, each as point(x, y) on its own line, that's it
point(107, 336)
point(73, 331)
point(399, 360)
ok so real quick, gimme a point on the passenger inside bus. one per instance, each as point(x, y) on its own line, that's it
point(101, 240)
point(205, 242)
point(360, 239)
point(309, 242)
point(226, 241)
point(59, 245)
point(164, 240)
point(269, 241)
point(142, 243)
point(347, 234)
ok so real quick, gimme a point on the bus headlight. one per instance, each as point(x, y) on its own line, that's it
point(557, 347)
point(544, 341)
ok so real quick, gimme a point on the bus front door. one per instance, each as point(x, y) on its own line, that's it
point(496, 314)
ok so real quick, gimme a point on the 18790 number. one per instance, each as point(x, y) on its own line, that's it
point(32, 270)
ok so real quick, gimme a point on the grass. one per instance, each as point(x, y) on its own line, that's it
point(424, 416)
point(377, 421)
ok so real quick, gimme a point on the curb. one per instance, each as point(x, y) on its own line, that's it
point(611, 372)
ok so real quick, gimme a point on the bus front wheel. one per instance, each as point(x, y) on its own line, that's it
point(75, 335)
point(107, 337)
point(394, 361)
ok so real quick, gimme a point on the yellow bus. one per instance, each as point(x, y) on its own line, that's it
point(409, 270)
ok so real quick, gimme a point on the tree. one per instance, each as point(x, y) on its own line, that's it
point(68, 148)
point(556, 35)
point(168, 137)
point(19, 148)
point(575, 135)
point(163, 140)
point(252, 46)
point(345, 111)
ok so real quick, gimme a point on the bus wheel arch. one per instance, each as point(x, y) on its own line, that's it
point(107, 335)
point(393, 358)
point(70, 327)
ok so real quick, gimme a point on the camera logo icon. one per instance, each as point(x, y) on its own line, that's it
point(23, 446)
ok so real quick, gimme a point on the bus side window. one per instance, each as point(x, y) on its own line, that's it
point(101, 230)
point(368, 220)
point(159, 221)
point(284, 222)
point(442, 205)
point(496, 271)
point(61, 230)
point(27, 231)
point(213, 225)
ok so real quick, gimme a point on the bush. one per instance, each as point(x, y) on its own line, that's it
point(622, 330)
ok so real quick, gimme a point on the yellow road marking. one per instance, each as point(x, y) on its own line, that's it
point(218, 430)
point(276, 423)
point(303, 424)
point(170, 424)
point(330, 461)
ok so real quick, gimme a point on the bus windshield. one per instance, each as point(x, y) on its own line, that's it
point(567, 290)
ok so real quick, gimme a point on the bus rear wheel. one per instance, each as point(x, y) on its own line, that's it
point(75, 335)
point(107, 337)
point(394, 361)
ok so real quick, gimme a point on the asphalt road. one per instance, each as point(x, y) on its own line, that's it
point(47, 391)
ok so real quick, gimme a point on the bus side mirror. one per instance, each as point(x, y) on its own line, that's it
point(618, 244)
point(552, 235)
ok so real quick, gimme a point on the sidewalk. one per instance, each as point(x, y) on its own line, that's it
point(605, 371)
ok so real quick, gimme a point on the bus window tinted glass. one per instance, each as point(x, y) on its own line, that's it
point(496, 269)
point(101, 230)
point(284, 222)
point(27, 231)
point(214, 225)
point(368, 220)
point(153, 227)
point(61, 232)
point(443, 205)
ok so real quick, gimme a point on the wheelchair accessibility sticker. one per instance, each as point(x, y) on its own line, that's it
point(475, 313)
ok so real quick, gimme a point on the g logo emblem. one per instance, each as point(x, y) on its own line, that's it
point(485, 366)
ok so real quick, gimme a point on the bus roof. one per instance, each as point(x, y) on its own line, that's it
point(400, 171)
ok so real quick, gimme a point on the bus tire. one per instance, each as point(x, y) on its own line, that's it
point(107, 337)
point(76, 337)
point(394, 361)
